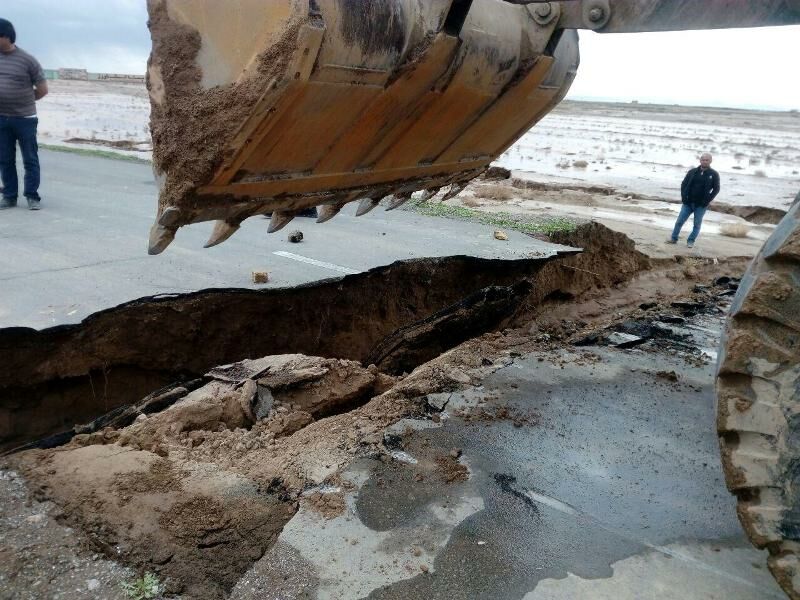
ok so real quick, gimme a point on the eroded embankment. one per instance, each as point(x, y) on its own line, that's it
point(55, 378)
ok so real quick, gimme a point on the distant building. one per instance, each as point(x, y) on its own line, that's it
point(84, 75)
point(74, 74)
point(120, 77)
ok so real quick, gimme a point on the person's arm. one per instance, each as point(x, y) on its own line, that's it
point(685, 186)
point(40, 89)
point(38, 80)
point(715, 190)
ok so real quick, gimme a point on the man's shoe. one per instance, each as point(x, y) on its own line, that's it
point(8, 203)
point(690, 244)
point(33, 203)
point(671, 241)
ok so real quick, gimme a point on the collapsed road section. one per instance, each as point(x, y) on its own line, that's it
point(71, 374)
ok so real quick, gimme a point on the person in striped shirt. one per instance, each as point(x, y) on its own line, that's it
point(22, 83)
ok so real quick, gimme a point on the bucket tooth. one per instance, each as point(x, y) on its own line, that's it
point(366, 205)
point(398, 200)
point(222, 231)
point(160, 238)
point(279, 220)
point(430, 194)
point(326, 212)
point(454, 191)
point(170, 217)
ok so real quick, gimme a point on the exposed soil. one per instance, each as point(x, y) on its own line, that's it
point(329, 505)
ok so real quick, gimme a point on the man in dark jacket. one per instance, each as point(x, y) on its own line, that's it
point(22, 83)
point(699, 188)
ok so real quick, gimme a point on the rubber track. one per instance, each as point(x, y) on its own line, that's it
point(758, 401)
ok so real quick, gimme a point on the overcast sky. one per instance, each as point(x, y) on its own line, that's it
point(747, 68)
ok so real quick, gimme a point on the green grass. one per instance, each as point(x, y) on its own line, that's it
point(545, 225)
point(95, 153)
point(145, 587)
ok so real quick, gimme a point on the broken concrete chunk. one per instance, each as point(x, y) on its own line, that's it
point(264, 403)
point(500, 235)
point(296, 237)
point(292, 377)
point(247, 399)
point(437, 402)
point(247, 369)
point(314, 385)
point(624, 340)
point(459, 376)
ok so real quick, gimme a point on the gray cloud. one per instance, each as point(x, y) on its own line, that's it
point(112, 36)
point(99, 35)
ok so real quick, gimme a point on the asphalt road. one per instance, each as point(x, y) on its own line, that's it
point(612, 490)
point(87, 249)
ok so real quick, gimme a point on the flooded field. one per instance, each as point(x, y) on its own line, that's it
point(647, 149)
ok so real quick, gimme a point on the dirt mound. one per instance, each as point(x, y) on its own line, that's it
point(195, 492)
point(497, 173)
point(171, 517)
point(609, 258)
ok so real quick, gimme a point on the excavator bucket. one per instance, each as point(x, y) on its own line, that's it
point(278, 106)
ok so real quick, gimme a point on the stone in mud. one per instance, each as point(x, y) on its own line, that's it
point(624, 340)
point(264, 403)
point(260, 277)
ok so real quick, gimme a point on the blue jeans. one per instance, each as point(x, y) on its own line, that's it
point(686, 211)
point(20, 130)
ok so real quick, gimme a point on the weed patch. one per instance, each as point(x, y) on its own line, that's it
point(96, 153)
point(545, 225)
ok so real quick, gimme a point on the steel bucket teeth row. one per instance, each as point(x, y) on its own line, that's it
point(163, 232)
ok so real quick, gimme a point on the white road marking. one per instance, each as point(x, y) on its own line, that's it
point(316, 263)
point(552, 503)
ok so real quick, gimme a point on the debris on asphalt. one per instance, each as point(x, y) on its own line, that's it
point(296, 237)
point(500, 235)
point(260, 277)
